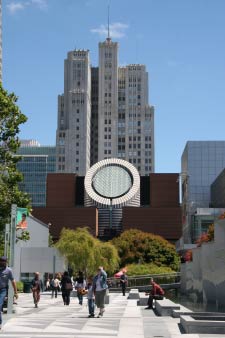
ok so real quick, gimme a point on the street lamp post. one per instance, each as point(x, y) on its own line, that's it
point(11, 255)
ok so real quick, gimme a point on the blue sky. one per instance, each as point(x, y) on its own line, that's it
point(182, 43)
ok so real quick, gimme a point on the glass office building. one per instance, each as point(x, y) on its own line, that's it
point(202, 162)
point(35, 164)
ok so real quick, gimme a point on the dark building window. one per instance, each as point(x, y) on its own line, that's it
point(145, 190)
point(79, 194)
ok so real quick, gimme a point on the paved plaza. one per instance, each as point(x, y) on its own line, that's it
point(122, 319)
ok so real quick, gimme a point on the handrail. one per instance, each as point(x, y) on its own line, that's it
point(143, 280)
point(170, 274)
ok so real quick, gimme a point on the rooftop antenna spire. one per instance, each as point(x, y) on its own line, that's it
point(108, 38)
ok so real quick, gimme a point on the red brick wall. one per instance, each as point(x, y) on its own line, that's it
point(61, 190)
point(165, 222)
point(69, 218)
point(164, 190)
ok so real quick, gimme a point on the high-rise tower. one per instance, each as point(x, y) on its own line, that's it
point(125, 119)
point(108, 100)
point(74, 115)
point(104, 113)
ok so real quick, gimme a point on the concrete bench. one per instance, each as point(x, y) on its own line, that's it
point(165, 307)
point(134, 294)
point(183, 311)
point(143, 301)
point(213, 325)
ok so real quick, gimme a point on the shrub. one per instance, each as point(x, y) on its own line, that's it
point(206, 236)
point(139, 274)
point(146, 269)
point(210, 232)
point(19, 286)
point(188, 256)
point(203, 238)
point(222, 216)
point(135, 246)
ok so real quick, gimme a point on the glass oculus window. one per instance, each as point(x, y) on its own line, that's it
point(112, 181)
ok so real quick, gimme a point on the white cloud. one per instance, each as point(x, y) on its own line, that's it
point(17, 6)
point(116, 30)
point(14, 7)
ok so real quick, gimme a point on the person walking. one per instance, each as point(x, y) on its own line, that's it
point(80, 285)
point(123, 282)
point(91, 298)
point(6, 274)
point(55, 286)
point(99, 287)
point(66, 287)
point(47, 285)
point(36, 287)
point(155, 293)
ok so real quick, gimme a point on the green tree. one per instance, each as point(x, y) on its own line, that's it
point(135, 246)
point(10, 120)
point(109, 257)
point(84, 252)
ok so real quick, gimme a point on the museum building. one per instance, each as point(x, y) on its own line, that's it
point(112, 198)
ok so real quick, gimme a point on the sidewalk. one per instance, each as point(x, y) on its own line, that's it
point(122, 319)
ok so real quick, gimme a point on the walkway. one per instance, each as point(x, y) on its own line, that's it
point(122, 319)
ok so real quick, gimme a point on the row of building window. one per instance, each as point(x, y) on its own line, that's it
point(78, 101)
point(134, 85)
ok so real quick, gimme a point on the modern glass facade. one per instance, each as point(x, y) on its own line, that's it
point(218, 191)
point(35, 164)
point(202, 162)
point(202, 219)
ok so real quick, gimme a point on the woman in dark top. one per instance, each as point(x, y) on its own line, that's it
point(66, 287)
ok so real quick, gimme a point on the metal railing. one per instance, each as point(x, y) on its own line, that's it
point(166, 280)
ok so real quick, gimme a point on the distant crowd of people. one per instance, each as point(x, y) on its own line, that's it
point(94, 287)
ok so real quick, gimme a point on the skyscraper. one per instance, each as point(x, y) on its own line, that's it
point(74, 115)
point(115, 118)
point(36, 162)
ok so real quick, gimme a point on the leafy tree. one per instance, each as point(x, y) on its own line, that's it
point(109, 257)
point(135, 246)
point(78, 247)
point(84, 252)
point(10, 120)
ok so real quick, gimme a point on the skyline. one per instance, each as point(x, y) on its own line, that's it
point(182, 47)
